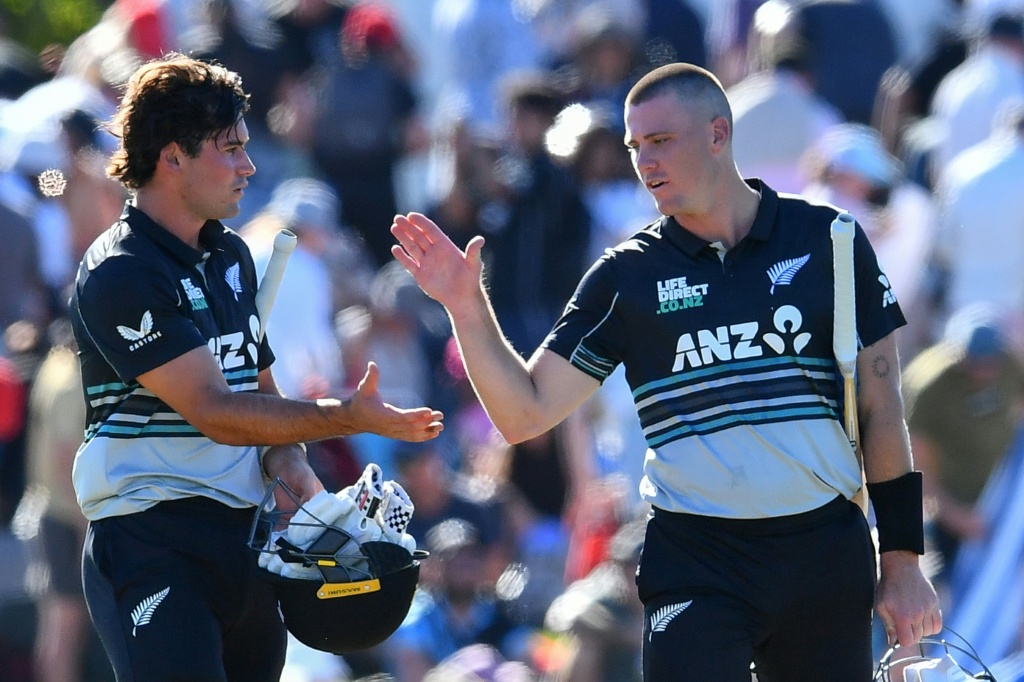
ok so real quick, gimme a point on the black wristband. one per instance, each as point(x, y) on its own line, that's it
point(899, 513)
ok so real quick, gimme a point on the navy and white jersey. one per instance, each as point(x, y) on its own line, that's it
point(730, 357)
point(142, 298)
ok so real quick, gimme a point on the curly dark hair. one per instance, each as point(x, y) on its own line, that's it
point(172, 99)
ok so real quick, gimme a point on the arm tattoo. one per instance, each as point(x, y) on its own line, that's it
point(880, 366)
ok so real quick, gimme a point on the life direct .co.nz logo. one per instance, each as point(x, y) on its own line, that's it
point(675, 294)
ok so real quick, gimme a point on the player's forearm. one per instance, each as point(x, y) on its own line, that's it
point(884, 439)
point(886, 445)
point(498, 374)
point(262, 419)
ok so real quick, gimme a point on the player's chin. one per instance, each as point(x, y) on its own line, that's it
point(231, 210)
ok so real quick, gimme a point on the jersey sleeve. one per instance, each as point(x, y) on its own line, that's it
point(589, 333)
point(878, 312)
point(131, 311)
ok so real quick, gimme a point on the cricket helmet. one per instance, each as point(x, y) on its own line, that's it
point(933, 659)
point(336, 594)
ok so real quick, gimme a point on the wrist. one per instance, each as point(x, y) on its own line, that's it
point(339, 414)
point(899, 513)
point(474, 309)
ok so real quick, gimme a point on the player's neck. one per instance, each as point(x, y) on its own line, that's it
point(729, 216)
point(167, 212)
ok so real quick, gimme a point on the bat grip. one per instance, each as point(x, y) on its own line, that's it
point(850, 412)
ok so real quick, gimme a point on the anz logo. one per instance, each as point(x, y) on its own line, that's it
point(226, 348)
point(740, 341)
point(231, 349)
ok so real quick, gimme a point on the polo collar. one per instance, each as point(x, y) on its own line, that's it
point(764, 221)
point(210, 235)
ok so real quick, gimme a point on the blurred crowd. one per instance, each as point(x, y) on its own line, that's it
point(504, 118)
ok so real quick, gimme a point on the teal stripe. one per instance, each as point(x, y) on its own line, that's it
point(733, 368)
point(733, 419)
point(104, 388)
point(592, 364)
point(149, 429)
point(245, 373)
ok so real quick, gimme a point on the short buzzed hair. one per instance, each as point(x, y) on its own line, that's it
point(691, 84)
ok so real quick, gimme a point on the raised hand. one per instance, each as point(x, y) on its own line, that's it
point(371, 414)
point(444, 272)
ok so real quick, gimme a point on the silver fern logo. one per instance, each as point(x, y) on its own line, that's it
point(233, 276)
point(142, 613)
point(663, 616)
point(782, 272)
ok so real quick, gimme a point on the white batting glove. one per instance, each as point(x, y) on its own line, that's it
point(395, 512)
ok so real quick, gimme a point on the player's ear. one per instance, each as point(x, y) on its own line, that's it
point(720, 131)
point(171, 155)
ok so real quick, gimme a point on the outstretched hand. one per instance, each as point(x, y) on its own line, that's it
point(372, 415)
point(441, 269)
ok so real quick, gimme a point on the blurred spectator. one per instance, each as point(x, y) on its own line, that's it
point(19, 70)
point(965, 404)
point(481, 41)
point(846, 72)
point(596, 514)
point(25, 347)
point(17, 609)
point(602, 615)
point(150, 30)
point(441, 492)
point(778, 96)
point(969, 97)
point(53, 128)
point(538, 484)
point(25, 153)
point(461, 177)
point(479, 663)
point(24, 295)
point(904, 102)
point(67, 648)
point(243, 37)
point(728, 31)
point(614, 197)
point(603, 63)
point(403, 332)
point(852, 170)
point(461, 609)
point(310, 30)
point(13, 406)
point(406, 337)
point(557, 24)
point(981, 236)
point(916, 24)
point(365, 120)
point(467, 427)
point(93, 201)
point(534, 218)
point(301, 322)
point(674, 32)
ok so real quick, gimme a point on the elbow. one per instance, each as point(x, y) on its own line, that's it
point(209, 423)
point(522, 429)
point(514, 437)
point(219, 434)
